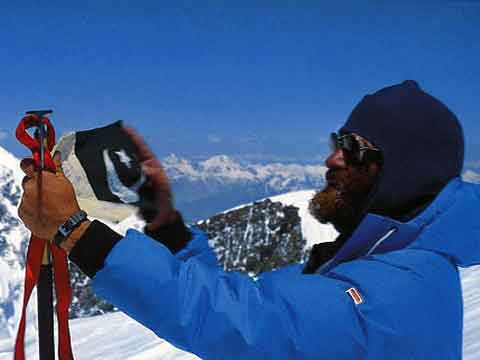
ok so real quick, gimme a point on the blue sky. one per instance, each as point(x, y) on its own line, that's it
point(266, 78)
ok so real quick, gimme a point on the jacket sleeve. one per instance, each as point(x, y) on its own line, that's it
point(226, 315)
point(93, 247)
point(198, 248)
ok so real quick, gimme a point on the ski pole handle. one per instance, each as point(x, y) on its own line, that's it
point(40, 152)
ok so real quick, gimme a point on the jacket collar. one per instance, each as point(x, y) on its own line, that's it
point(379, 234)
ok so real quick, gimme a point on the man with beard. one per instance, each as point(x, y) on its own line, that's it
point(387, 288)
point(349, 182)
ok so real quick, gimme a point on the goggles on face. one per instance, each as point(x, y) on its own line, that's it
point(355, 149)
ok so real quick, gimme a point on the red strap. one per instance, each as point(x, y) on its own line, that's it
point(32, 270)
point(24, 137)
point(64, 298)
point(35, 254)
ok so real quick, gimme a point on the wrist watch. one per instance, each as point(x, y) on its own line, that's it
point(68, 226)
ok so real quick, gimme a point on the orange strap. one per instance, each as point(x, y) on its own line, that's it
point(35, 253)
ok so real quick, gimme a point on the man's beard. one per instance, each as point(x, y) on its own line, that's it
point(343, 199)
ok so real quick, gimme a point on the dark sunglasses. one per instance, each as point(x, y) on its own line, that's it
point(354, 151)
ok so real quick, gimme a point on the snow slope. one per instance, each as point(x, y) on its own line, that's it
point(312, 230)
point(107, 337)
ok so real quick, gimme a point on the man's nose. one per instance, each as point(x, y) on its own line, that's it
point(335, 160)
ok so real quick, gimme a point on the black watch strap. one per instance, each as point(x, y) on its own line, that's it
point(68, 226)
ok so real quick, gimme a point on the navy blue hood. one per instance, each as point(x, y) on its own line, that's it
point(421, 142)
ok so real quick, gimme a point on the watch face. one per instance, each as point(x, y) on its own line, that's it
point(66, 228)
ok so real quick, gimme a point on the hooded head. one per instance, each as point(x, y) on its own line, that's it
point(421, 141)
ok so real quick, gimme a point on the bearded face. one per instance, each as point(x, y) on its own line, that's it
point(342, 200)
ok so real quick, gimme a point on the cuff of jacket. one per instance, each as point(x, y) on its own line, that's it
point(175, 235)
point(91, 250)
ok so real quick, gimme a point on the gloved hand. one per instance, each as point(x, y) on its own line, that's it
point(43, 212)
point(158, 187)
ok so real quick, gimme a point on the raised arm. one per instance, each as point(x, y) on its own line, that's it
point(228, 315)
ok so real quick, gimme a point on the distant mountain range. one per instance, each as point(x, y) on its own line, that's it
point(204, 188)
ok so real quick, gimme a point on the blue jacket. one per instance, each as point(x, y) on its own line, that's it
point(405, 275)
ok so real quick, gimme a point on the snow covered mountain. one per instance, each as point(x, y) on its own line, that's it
point(276, 231)
point(204, 188)
point(13, 242)
point(275, 176)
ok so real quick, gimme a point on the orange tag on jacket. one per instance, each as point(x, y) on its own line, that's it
point(355, 295)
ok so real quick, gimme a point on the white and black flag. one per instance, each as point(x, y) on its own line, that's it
point(105, 172)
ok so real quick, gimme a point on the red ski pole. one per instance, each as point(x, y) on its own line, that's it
point(38, 270)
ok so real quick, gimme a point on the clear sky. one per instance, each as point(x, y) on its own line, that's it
point(265, 78)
